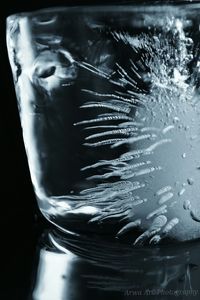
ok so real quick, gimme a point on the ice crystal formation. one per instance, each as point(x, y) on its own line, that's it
point(139, 129)
point(148, 103)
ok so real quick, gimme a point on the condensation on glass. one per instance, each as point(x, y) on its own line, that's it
point(110, 111)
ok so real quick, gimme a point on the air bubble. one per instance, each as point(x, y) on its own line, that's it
point(190, 181)
point(187, 205)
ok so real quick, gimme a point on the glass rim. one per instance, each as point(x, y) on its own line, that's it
point(143, 7)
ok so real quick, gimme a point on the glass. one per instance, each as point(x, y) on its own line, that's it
point(108, 98)
point(83, 272)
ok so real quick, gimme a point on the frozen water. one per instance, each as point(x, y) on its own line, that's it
point(109, 109)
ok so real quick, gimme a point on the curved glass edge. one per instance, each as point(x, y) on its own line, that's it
point(142, 6)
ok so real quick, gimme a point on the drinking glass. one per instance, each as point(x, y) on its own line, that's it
point(108, 99)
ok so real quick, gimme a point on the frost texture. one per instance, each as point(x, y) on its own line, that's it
point(163, 71)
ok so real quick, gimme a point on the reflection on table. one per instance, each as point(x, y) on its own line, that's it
point(73, 267)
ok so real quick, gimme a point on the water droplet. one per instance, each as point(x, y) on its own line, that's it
point(190, 181)
point(176, 120)
point(187, 205)
point(184, 155)
point(181, 192)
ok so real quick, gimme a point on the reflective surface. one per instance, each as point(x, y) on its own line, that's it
point(72, 268)
point(109, 105)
